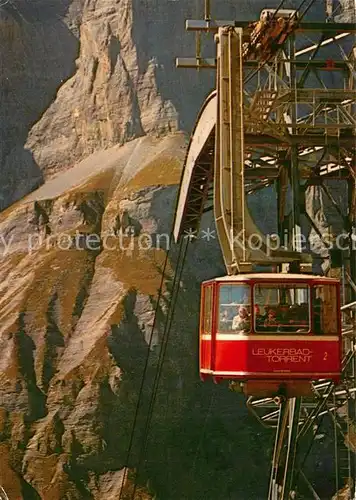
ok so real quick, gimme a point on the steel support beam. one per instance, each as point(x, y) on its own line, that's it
point(214, 25)
point(294, 406)
point(210, 63)
point(229, 192)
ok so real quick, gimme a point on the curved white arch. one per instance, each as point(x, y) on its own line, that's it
point(201, 135)
point(203, 129)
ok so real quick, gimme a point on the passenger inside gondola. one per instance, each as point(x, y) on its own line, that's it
point(234, 307)
point(287, 309)
point(225, 320)
point(259, 318)
point(241, 321)
point(271, 323)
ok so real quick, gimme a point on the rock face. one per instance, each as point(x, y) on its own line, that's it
point(79, 76)
point(111, 98)
point(38, 54)
point(347, 11)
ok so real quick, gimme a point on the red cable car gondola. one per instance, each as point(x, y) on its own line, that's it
point(275, 333)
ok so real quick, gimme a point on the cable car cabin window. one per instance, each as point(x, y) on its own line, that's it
point(234, 308)
point(325, 313)
point(281, 308)
point(207, 311)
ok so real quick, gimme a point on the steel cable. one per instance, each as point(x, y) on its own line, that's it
point(166, 332)
point(159, 296)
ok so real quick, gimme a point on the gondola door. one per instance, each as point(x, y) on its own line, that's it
point(206, 325)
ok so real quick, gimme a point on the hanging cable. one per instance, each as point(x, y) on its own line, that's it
point(167, 328)
point(159, 296)
point(144, 373)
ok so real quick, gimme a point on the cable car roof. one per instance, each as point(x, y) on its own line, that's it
point(274, 277)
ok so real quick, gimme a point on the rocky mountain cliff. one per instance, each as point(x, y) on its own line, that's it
point(92, 113)
point(82, 75)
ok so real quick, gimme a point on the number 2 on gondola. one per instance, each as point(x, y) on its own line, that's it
point(325, 356)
